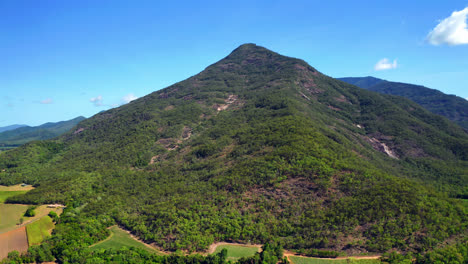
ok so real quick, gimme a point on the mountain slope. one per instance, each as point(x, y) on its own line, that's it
point(26, 134)
point(258, 147)
point(452, 107)
point(363, 82)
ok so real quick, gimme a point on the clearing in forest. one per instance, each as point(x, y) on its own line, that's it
point(120, 238)
point(350, 260)
point(235, 252)
point(10, 215)
point(5, 194)
point(39, 230)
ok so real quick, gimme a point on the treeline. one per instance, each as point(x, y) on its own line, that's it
point(74, 234)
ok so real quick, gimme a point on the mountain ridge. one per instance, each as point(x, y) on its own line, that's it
point(24, 134)
point(258, 147)
point(452, 107)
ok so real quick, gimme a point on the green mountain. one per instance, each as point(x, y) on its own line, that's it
point(452, 107)
point(24, 134)
point(363, 82)
point(258, 147)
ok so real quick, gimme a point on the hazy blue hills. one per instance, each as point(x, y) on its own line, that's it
point(258, 147)
point(452, 107)
point(11, 127)
point(23, 134)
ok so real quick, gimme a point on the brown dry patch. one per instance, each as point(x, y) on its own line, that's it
point(15, 188)
point(169, 143)
point(169, 107)
point(231, 100)
point(186, 133)
point(380, 146)
point(334, 108)
point(342, 99)
point(13, 240)
point(79, 130)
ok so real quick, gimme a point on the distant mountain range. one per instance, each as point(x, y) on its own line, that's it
point(11, 127)
point(15, 135)
point(452, 107)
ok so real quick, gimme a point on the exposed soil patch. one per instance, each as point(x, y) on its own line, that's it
point(13, 240)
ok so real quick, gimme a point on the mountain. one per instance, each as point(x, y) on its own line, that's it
point(24, 134)
point(11, 127)
point(452, 107)
point(363, 82)
point(258, 147)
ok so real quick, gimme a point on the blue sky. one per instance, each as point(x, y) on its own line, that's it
point(63, 59)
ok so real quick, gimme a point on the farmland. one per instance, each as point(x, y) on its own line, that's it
point(10, 215)
point(120, 238)
point(39, 230)
point(307, 260)
point(13, 240)
point(235, 252)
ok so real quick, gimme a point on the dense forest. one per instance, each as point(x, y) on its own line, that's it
point(257, 148)
point(450, 106)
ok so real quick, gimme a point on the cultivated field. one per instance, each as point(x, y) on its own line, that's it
point(5, 194)
point(14, 188)
point(120, 238)
point(235, 252)
point(307, 260)
point(10, 215)
point(39, 230)
point(13, 240)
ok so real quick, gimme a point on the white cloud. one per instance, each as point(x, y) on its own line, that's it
point(451, 31)
point(47, 101)
point(97, 101)
point(128, 98)
point(385, 64)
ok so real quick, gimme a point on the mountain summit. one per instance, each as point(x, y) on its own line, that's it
point(258, 147)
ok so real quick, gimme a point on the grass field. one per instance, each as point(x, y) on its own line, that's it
point(10, 215)
point(120, 238)
point(305, 260)
point(39, 230)
point(17, 187)
point(235, 252)
point(5, 194)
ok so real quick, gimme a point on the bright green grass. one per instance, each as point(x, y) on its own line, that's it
point(305, 260)
point(5, 194)
point(10, 215)
point(235, 252)
point(39, 230)
point(118, 239)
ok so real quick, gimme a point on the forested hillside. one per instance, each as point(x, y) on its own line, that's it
point(258, 147)
point(452, 107)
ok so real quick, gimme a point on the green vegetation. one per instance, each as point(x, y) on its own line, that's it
point(235, 252)
point(6, 194)
point(258, 147)
point(30, 212)
point(39, 230)
point(449, 106)
point(120, 238)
